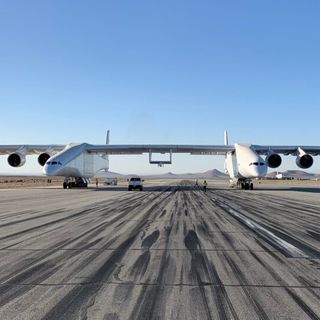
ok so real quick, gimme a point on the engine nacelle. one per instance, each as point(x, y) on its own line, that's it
point(304, 161)
point(43, 158)
point(273, 160)
point(16, 159)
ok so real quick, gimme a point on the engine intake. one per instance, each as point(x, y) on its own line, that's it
point(273, 160)
point(43, 158)
point(16, 159)
point(304, 161)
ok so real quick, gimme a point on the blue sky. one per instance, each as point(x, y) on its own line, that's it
point(159, 72)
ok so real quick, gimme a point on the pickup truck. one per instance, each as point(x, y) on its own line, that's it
point(135, 183)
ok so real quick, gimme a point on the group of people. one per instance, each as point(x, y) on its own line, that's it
point(205, 184)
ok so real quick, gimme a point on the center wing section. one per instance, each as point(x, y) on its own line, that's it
point(151, 148)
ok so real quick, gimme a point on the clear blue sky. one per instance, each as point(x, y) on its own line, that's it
point(160, 72)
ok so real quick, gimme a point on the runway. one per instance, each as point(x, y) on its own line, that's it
point(169, 252)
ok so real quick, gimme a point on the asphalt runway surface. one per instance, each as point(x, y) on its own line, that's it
point(169, 252)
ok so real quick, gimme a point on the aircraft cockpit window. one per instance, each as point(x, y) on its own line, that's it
point(257, 164)
point(54, 163)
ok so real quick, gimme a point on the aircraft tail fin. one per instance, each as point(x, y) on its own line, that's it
point(108, 137)
point(106, 156)
point(226, 142)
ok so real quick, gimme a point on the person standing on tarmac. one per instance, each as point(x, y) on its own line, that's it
point(205, 184)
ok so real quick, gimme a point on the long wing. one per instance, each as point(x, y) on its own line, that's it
point(151, 148)
point(30, 149)
point(286, 150)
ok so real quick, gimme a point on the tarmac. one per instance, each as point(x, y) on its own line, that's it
point(171, 251)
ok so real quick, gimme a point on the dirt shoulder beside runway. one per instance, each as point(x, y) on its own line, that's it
point(12, 182)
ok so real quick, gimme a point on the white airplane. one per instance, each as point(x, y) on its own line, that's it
point(79, 161)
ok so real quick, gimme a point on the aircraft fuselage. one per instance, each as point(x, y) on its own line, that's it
point(75, 161)
point(244, 163)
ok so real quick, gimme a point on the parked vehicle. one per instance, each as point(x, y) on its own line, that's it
point(111, 182)
point(135, 183)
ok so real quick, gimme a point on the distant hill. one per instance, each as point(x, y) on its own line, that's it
point(210, 174)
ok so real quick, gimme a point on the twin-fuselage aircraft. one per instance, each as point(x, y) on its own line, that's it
point(78, 162)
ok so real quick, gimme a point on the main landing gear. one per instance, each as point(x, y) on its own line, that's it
point(246, 185)
point(77, 182)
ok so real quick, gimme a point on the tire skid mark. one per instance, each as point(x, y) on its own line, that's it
point(151, 301)
point(201, 267)
point(140, 266)
point(119, 282)
point(106, 246)
point(47, 224)
point(277, 277)
point(50, 213)
point(17, 214)
point(286, 212)
point(78, 299)
point(82, 213)
point(286, 248)
point(14, 277)
point(150, 208)
point(36, 274)
point(18, 275)
point(261, 314)
point(76, 303)
point(302, 305)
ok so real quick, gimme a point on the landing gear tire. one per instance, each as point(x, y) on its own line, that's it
point(65, 185)
point(251, 186)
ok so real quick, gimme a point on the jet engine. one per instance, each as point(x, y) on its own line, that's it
point(304, 161)
point(273, 160)
point(43, 158)
point(16, 159)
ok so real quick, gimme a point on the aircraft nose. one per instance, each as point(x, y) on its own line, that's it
point(51, 170)
point(257, 169)
point(255, 172)
point(260, 170)
point(47, 170)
